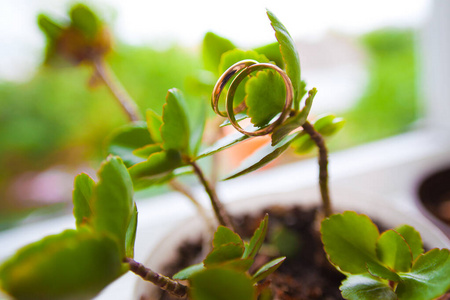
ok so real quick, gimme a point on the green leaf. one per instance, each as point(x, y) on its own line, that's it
point(328, 125)
point(412, 237)
point(238, 264)
point(157, 165)
point(223, 254)
point(303, 144)
point(75, 264)
point(365, 287)
point(290, 56)
point(124, 140)
point(287, 241)
point(154, 123)
point(221, 284)
point(272, 52)
point(349, 240)
point(197, 125)
point(187, 273)
point(231, 57)
point(263, 156)
point(113, 205)
point(51, 29)
point(382, 272)
point(429, 277)
point(393, 251)
point(213, 48)
point(175, 128)
point(82, 195)
point(224, 235)
point(222, 144)
point(147, 150)
point(257, 239)
point(265, 97)
point(294, 122)
point(85, 20)
point(268, 269)
point(130, 236)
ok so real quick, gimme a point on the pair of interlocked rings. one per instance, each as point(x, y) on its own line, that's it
point(243, 69)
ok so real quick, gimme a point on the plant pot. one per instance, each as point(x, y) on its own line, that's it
point(193, 228)
point(433, 198)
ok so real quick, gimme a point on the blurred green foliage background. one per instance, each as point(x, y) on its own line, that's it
point(57, 119)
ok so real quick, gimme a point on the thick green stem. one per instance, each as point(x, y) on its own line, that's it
point(220, 212)
point(125, 101)
point(165, 283)
point(323, 167)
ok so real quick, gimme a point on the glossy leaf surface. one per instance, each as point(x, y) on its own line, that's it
point(349, 240)
point(157, 165)
point(189, 271)
point(154, 123)
point(393, 251)
point(75, 264)
point(328, 125)
point(82, 195)
point(365, 287)
point(113, 205)
point(382, 272)
point(290, 56)
point(221, 284)
point(130, 236)
point(429, 276)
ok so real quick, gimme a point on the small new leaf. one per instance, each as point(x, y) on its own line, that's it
point(82, 195)
point(85, 20)
point(412, 238)
point(382, 272)
point(223, 254)
point(154, 123)
point(189, 271)
point(224, 235)
point(157, 165)
point(394, 252)
point(252, 248)
point(130, 236)
point(268, 269)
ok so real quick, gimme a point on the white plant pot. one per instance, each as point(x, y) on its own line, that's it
point(376, 208)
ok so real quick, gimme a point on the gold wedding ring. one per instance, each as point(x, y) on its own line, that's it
point(243, 69)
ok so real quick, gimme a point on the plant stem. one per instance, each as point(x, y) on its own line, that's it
point(125, 101)
point(323, 167)
point(219, 210)
point(177, 186)
point(165, 283)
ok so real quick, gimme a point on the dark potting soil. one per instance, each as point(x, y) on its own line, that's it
point(305, 274)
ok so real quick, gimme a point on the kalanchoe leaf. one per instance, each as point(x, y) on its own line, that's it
point(221, 284)
point(263, 156)
point(303, 144)
point(428, 278)
point(412, 237)
point(75, 264)
point(290, 56)
point(382, 272)
point(238, 264)
point(197, 126)
point(252, 248)
point(112, 203)
point(186, 273)
point(154, 123)
point(231, 57)
point(51, 29)
point(224, 235)
point(82, 195)
point(223, 253)
point(124, 140)
point(130, 236)
point(238, 117)
point(223, 143)
point(85, 20)
point(349, 240)
point(328, 124)
point(213, 48)
point(365, 287)
point(147, 150)
point(175, 130)
point(294, 122)
point(272, 52)
point(268, 269)
point(265, 97)
point(157, 165)
point(393, 251)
